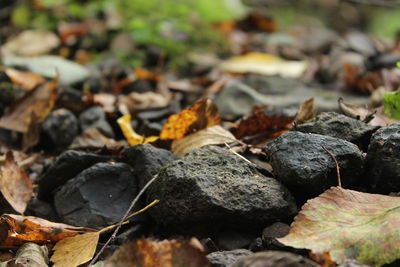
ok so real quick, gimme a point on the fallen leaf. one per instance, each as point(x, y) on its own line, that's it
point(214, 135)
point(391, 104)
point(32, 43)
point(16, 230)
point(201, 115)
point(39, 101)
point(141, 101)
point(32, 136)
point(106, 101)
point(32, 255)
point(349, 225)
point(49, 66)
point(131, 136)
point(306, 112)
point(167, 253)
point(15, 185)
point(92, 137)
point(144, 74)
point(264, 64)
point(76, 250)
point(25, 79)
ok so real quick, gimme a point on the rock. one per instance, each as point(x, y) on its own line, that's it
point(230, 239)
point(67, 166)
point(257, 245)
point(227, 258)
point(274, 259)
point(352, 263)
point(98, 196)
point(272, 232)
point(211, 186)
point(147, 161)
point(300, 162)
point(383, 161)
point(61, 126)
point(95, 117)
point(340, 126)
point(359, 42)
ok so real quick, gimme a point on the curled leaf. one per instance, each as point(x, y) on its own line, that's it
point(131, 136)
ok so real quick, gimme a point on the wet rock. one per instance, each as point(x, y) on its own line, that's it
point(300, 161)
point(383, 161)
point(211, 186)
point(98, 196)
point(66, 167)
point(340, 126)
point(61, 126)
point(147, 161)
point(227, 258)
point(95, 117)
point(272, 232)
point(274, 259)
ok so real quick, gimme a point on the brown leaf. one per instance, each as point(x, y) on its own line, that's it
point(32, 255)
point(201, 115)
point(167, 253)
point(39, 101)
point(92, 137)
point(15, 184)
point(306, 112)
point(24, 79)
point(76, 250)
point(16, 230)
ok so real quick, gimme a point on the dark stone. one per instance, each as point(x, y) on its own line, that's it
point(98, 196)
point(95, 117)
point(61, 126)
point(227, 258)
point(257, 245)
point(274, 259)
point(383, 161)
point(300, 161)
point(41, 209)
point(66, 167)
point(212, 186)
point(340, 126)
point(147, 161)
point(272, 232)
point(230, 239)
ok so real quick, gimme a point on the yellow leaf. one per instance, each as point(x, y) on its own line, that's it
point(133, 137)
point(74, 251)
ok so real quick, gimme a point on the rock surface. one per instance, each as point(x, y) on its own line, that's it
point(383, 161)
point(300, 161)
point(95, 117)
point(272, 232)
point(98, 196)
point(211, 185)
point(227, 258)
point(340, 126)
point(274, 259)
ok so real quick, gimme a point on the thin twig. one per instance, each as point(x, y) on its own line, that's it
point(237, 154)
point(337, 166)
point(114, 234)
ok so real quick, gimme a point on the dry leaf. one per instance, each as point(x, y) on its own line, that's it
point(349, 225)
point(74, 251)
point(141, 101)
point(144, 74)
point(92, 137)
point(209, 136)
point(131, 136)
point(201, 115)
point(39, 101)
point(32, 255)
point(306, 112)
point(16, 230)
point(167, 253)
point(15, 184)
point(24, 79)
point(264, 64)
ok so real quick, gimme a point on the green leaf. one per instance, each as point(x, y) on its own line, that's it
point(349, 225)
point(391, 104)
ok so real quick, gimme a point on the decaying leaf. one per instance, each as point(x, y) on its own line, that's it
point(131, 136)
point(32, 255)
point(391, 103)
point(39, 101)
point(15, 185)
point(349, 225)
point(76, 250)
point(16, 230)
point(141, 101)
point(306, 112)
point(167, 253)
point(264, 64)
point(209, 136)
point(24, 79)
point(201, 115)
point(92, 137)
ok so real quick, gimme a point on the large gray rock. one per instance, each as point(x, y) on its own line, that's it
point(340, 126)
point(98, 196)
point(211, 185)
point(274, 259)
point(227, 258)
point(300, 161)
point(383, 160)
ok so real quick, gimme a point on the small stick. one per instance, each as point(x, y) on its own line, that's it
point(337, 165)
point(114, 234)
point(237, 154)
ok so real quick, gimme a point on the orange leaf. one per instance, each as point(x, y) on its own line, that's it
point(24, 79)
point(144, 74)
point(201, 115)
